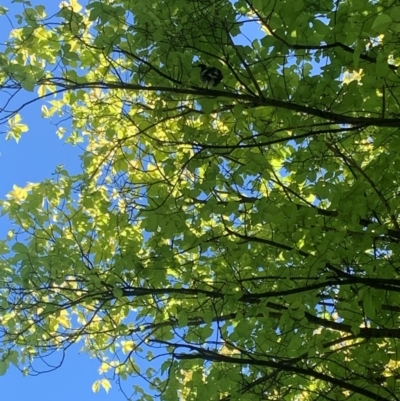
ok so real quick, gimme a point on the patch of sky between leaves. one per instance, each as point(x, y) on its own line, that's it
point(251, 31)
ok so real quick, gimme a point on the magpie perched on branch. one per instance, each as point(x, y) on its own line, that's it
point(210, 75)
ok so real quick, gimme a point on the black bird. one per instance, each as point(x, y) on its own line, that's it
point(210, 75)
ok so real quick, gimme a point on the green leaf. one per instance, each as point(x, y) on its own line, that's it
point(96, 386)
point(20, 248)
point(381, 22)
point(105, 383)
point(3, 367)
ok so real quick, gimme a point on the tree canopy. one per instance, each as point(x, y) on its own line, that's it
point(236, 242)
